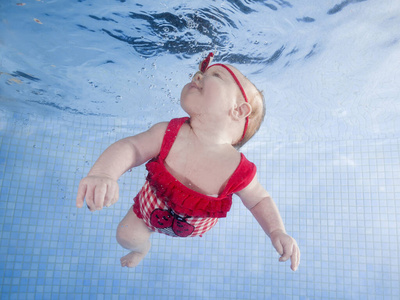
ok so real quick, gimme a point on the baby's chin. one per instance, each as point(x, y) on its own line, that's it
point(185, 106)
point(189, 102)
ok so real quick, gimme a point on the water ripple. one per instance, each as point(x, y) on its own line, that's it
point(187, 32)
point(338, 7)
point(247, 59)
point(24, 75)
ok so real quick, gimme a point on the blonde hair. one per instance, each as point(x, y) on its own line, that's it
point(257, 103)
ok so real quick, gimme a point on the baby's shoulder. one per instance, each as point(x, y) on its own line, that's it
point(162, 126)
point(158, 129)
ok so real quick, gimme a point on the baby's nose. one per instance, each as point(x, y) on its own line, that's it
point(197, 77)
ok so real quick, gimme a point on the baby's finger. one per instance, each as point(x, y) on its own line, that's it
point(81, 195)
point(295, 258)
point(99, 195)
point(287, 253)
point(90, 198)
point(109, 198)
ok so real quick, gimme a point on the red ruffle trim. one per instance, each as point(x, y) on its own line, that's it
point(182, 199)
point(186, 201)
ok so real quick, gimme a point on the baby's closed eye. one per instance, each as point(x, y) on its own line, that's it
point(216, 74)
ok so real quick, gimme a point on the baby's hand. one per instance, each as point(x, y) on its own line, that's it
point(286, 247)
point(99, 191)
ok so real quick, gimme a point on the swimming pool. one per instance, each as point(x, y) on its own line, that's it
point(78, 75)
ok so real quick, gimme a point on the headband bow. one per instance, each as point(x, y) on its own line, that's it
point(204, 64)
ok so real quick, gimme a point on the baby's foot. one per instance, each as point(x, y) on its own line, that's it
point(132, 259)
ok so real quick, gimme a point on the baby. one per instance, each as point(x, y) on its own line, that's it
point(193, 167)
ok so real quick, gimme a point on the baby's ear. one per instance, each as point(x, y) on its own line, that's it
point(241, 111)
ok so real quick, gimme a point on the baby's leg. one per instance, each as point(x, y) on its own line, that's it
point(133, 234)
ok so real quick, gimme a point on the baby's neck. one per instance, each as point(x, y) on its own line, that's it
point(210, 134)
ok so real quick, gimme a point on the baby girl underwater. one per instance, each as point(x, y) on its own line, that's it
point(194, 167)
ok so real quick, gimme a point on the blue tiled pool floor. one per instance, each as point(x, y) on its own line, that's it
point(338, 199)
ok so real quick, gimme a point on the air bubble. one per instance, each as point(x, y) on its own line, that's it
point(190, 23)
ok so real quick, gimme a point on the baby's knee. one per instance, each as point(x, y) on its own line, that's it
point(129, 237)
point(125, 236)
point(122, 234)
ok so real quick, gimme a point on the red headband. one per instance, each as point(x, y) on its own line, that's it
point(204, 66)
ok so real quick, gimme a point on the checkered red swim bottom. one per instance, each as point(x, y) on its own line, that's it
point(160, 218)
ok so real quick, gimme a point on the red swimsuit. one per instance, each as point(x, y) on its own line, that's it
point(167, 206)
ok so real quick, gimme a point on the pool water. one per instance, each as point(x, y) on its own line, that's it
point(75, 76)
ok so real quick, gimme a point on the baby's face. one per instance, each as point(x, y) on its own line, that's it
point(213, 92)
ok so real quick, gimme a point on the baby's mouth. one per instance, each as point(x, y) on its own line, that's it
point(194, 85)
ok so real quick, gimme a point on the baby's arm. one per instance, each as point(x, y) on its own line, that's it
point(263, 208)
point(100, 187)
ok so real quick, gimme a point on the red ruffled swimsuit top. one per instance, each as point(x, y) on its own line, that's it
point(184, 200)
